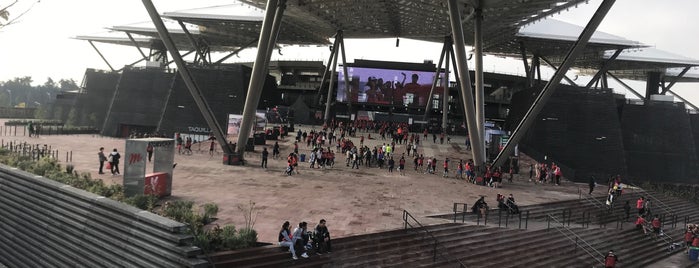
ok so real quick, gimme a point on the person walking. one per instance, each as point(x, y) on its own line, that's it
point(102, 158)
point(610, 260)
point(265, 154)
point(592, 184)
point(114, 157)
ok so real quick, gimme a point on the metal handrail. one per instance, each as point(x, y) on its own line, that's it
point(407, 214)
point(577, 238)
point(663, 206)
point(463, 212)
point(595, 202)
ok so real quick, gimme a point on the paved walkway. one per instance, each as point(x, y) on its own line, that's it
point(352, 201)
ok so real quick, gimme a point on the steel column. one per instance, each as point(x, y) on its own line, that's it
point(465, 82)
point(480, 89)
point(344, 68)
point(333, 68)
point(523, 51)
point(268, 34)
point(101, 56)
point(679, 76)
point(683, 100)
point(436, 75)
point(604, 68)
point(445, 98)
point(627, 86)
point(187, 77)
point(550, 87)
point(327, 68)
point(136, 45)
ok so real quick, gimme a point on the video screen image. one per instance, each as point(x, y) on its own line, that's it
point(387, 86)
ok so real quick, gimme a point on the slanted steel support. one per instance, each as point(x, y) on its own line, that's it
point(136, 45)
point(326, 70)
point(478, 75)
point(445, 49)
point(193, 42)
point(570, 81)
point(101, 56)
point(333, 68)
point(187, 77)
point(630, 89)
point(268, 35)
point(445, 98)
point(550, 87)
point(465, 82)
point(604, 69)
point(235, 52)
point(683, 100)
point(679, 76)
point(348, 89)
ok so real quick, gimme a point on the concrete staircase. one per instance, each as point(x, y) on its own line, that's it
point(44, 223)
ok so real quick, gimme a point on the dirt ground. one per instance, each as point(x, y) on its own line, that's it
point(352, 201)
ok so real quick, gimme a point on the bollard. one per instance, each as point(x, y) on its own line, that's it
point(463, 214)
point(15, 130)
point(455, 212)
point(71, 156)
point(66, 157)
point(520, 220)
point(499, 217)
point(507, 219)
point(526, 222)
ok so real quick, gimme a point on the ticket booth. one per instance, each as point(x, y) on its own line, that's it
point(135, 160)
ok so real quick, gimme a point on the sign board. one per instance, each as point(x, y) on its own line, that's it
point(156, 184)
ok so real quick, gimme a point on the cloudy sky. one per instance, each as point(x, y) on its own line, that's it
point(40, 44)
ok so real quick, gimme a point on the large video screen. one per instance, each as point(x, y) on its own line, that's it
point(387, 86)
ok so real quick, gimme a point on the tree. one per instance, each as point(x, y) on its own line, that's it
point(72, 117)
point(68, 85)
point(6, 19)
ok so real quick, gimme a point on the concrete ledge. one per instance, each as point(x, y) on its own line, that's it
point(49, 224)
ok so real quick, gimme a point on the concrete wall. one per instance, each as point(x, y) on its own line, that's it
point(48, 224)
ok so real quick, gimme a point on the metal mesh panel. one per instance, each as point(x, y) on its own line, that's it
point(659, 143)
point(577, 128)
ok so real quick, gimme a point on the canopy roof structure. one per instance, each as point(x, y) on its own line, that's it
point(508, 26)
point(552, 39)
point(635, 64)
point(425, 20)
point(124, 41)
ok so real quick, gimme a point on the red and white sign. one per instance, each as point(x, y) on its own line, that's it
point(156, 184)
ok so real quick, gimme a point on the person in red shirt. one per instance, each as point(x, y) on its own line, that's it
point(639, 205)
point(656, 225)
point(641, 224)
point(689, 237)
point(610, 260)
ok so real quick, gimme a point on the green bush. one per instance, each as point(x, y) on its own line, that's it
point(210, 212)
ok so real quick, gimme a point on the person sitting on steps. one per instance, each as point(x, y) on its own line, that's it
point(285, 239)
point(301, 239)
point(322, 238)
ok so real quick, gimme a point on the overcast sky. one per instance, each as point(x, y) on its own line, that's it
point(40, 44)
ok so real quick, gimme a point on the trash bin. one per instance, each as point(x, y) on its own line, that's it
point(302, 158)
point(693, 253)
